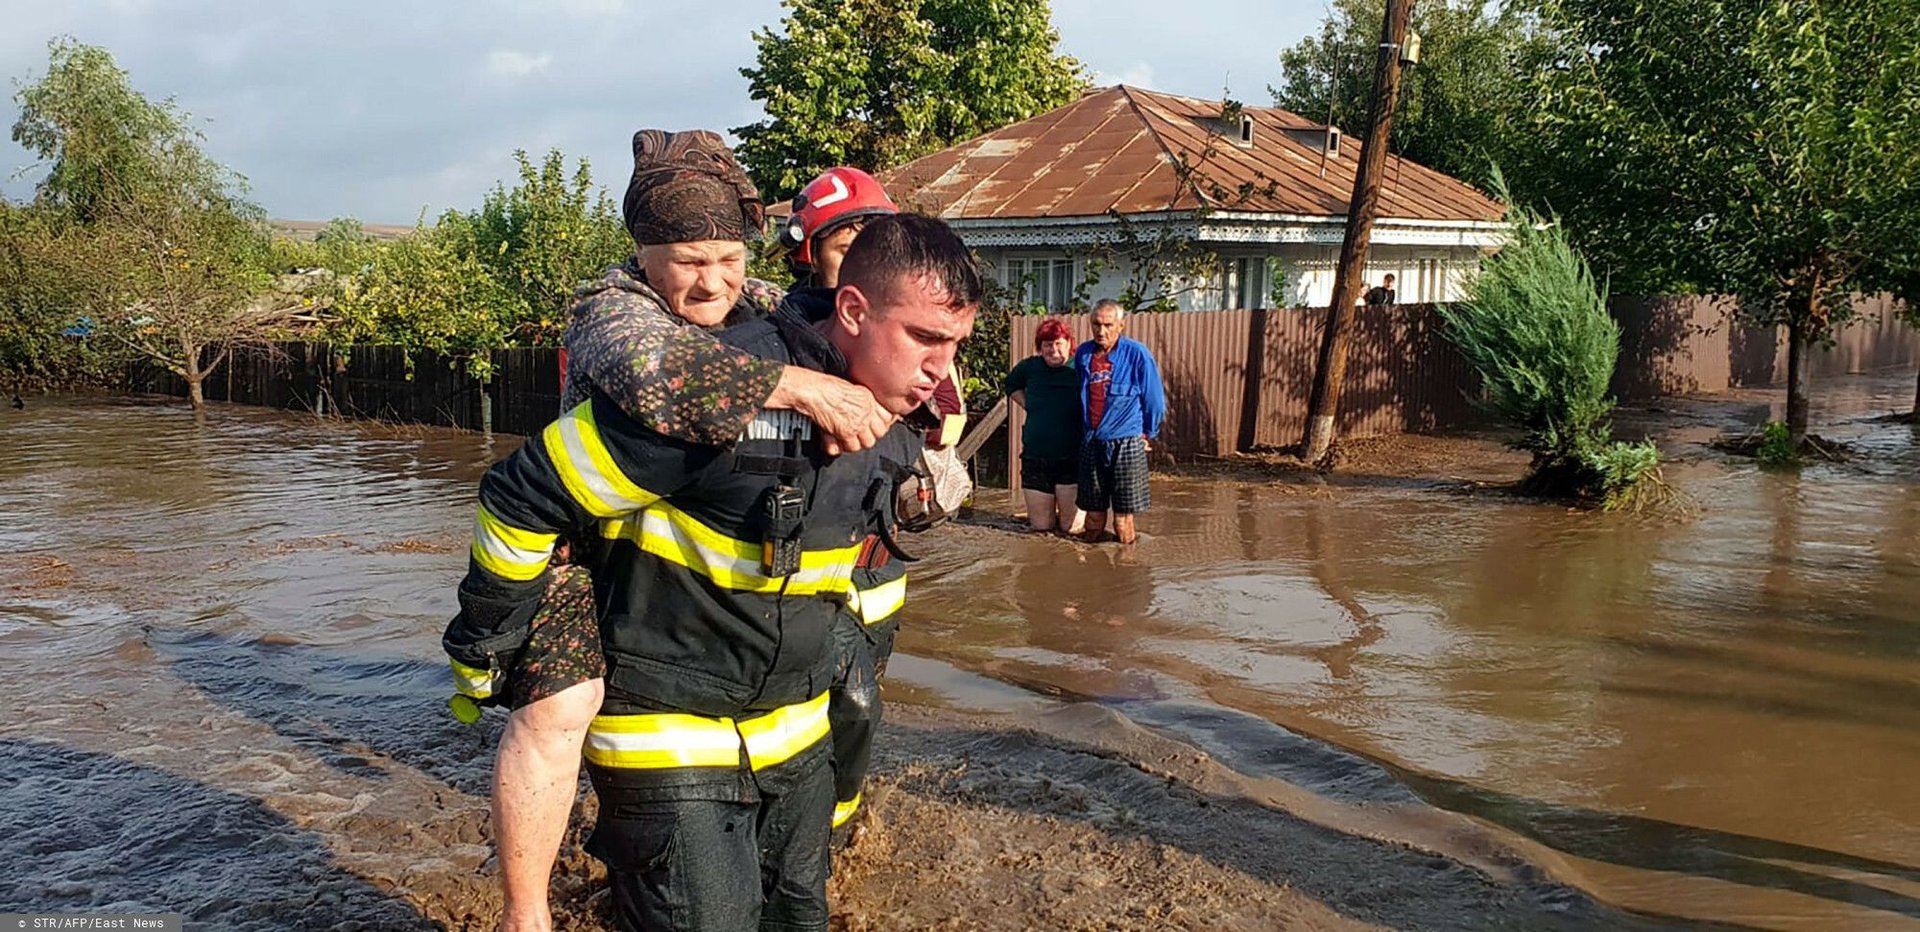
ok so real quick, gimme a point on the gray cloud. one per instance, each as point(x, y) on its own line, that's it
point(383, 110)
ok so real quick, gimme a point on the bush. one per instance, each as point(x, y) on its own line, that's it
point(424, 293)
point(1776, 446)
point(1535, 325)
point(542, 238)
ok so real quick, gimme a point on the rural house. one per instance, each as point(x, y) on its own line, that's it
point(1205, 204)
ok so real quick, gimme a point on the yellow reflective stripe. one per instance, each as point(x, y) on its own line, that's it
point(587, 469)
point(507, 551)
point(952, 428)
point(665, 740)
point(472, 681)
point(842, 811)
point(785, 732)
point(678, 537)
point(878, 603)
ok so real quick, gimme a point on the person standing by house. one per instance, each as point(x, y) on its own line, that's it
point(1124, 404)
point(1382, 295)
point(1048, 387)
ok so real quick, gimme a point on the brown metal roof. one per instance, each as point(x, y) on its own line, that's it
point(1117, 148)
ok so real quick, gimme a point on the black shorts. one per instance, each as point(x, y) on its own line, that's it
point(1113, 474)
point(1042, 474)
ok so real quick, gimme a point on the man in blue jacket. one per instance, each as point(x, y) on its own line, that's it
point(1124, 403)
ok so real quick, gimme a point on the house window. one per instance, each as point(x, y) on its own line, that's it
point(1244, 283)
point(1044, 280)
point(1433, 281)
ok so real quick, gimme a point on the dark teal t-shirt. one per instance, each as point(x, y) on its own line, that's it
point(1053, 427)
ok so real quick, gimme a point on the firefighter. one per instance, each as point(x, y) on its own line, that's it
point(828, 214)
point(639, 336)
point(719, 573)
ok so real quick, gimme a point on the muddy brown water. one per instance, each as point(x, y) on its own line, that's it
point(219, 642)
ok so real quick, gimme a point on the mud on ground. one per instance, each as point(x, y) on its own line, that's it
point(1079, 819)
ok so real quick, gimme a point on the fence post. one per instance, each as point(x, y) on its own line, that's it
point(1255, 371)
point(486, 409)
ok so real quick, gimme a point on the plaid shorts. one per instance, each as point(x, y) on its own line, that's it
point(564, 647)
point(1113, 474)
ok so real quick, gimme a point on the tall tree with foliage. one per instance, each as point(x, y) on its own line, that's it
point(1457, 111)
point(1763, 148)
point(180, 279)
point(875, 83)
point(154, 240)
point(45, 340)
point(93, 130)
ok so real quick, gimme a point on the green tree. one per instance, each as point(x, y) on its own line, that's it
point(1457, 108)
point(159, 244)
point(45, 337)
point(542, 239)
point(428, 292)
point(1536, 328)
point(1763, 148)
point(177, 277)
point(875, 83)
point(93, 129)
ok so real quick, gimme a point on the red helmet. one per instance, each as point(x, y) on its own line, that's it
point(839, 196)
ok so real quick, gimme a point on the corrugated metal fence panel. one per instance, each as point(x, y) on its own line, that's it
point(1203, 361)
point(1878, 340)
point(1291, 349)
point(1676, 344)
point(1402, 375)
point(1694, 343)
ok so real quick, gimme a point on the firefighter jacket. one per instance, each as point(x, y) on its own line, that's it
point(693, 621)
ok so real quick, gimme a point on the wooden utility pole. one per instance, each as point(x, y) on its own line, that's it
point(1350, 276)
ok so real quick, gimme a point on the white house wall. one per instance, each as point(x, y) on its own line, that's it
point(1424, 274)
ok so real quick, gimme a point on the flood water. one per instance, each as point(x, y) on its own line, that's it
point(220, 644)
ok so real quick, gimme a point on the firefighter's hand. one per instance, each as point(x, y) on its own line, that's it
point(848, 414)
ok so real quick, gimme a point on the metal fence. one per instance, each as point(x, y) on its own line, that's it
point(1235, 380)
point(1241, 380)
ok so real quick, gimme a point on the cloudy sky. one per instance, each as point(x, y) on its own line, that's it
point(380, 109)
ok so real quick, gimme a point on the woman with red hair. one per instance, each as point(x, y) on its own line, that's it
point(1049, 388)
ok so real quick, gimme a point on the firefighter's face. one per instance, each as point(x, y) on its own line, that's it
point(701, 281)
point(829, 250)
point(900, 343)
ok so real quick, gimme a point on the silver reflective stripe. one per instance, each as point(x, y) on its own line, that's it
point(611, 502)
